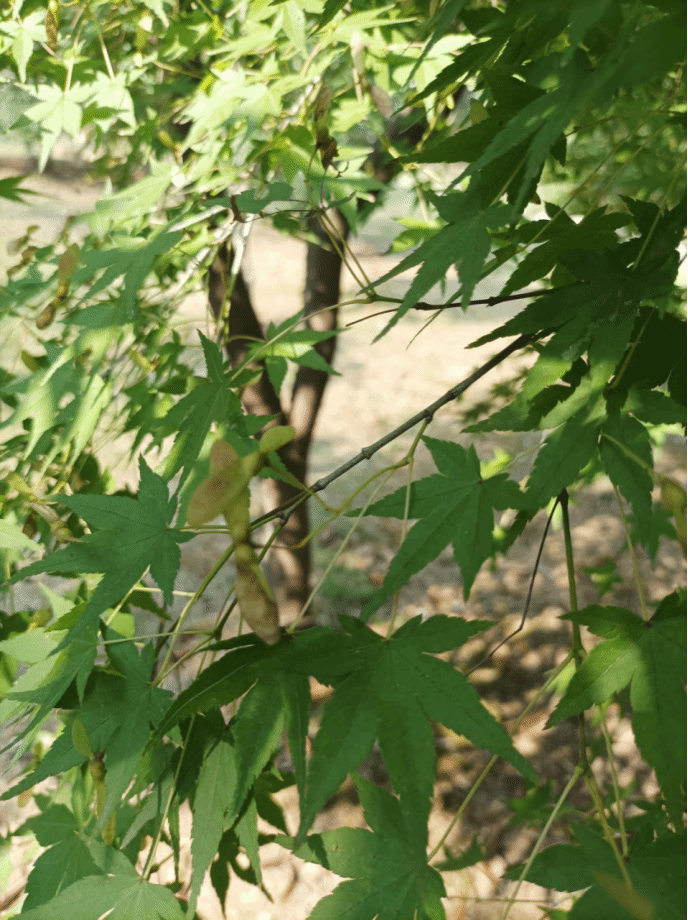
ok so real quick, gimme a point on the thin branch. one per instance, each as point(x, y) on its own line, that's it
point(489, 301)
point(426, 414)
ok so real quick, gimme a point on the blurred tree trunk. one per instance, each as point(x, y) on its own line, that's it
point(323, 280)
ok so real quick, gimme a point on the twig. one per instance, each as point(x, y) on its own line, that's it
point(426, 414)
point(489, 301)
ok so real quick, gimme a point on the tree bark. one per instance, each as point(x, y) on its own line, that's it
point(323, 283)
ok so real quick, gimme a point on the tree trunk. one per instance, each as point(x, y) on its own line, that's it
point(323, 277)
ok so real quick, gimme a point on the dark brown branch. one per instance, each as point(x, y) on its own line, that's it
point(489, 301)
point(322, 290)
point(242, 327)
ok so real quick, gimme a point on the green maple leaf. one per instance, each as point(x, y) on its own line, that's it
point(464, 242)
point(650, 656)
point(249, 659)
point(212, 798)
point(118, 711)
point(43, 392)
point(42, 685)
point(295, 344)
point(556, 236)
point(629, 475)
point(129, 535)
point(564, 454)
point(66, 859)
point(591, 311)
point(454, 507)
point(655, 868)
point(12, 190)
point(213, 400)
point(121, 897)
point(595, 315)
point(392, 691)
point(390, 877)
point(134, 259)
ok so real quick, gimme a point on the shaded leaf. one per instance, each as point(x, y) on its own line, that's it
point(395, 688)
point(455, 507)
point(389, 870)
point(650, 657)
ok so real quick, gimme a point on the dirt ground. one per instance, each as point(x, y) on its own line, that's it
point(382, 384)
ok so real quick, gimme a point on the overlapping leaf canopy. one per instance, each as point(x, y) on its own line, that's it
point(552, 151)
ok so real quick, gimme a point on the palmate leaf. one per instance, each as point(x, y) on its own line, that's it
point(42, 685)
point(12, 190)
point(455, 507)
point(316, 651)
point(540, 124)
point(656, 869)
point(651, 658)
point(131, 260)
point(213, 400)
point(464, 242)
point(628, 474)
point(392, 692)
point(558, 235)
point(297, 346)
point(212, 798)
point(66, 859)
point(564, 454)
point(129, 535)
point(42, 393)
point(390, 877)
point(117, 712)
point(121, 897)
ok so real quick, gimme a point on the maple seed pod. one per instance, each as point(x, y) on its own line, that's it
point(68, 262)
point(30, 526)
point(255, 599)
point(222, 455)
point(322, 103)
point(62, 533)
point(29, 361)
point(97, 770)
point(328, 151)
point(101, 794)
point(41, 618)
point(238, 518)
point(46, 316)
point(109, 832)
point(381, 101)
point(48, 514)
point(51, 22)
point(673, 496)
point(247, 467)
point(80, 740)
point(244, 554)
point(25, 797)
point(275, 438)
